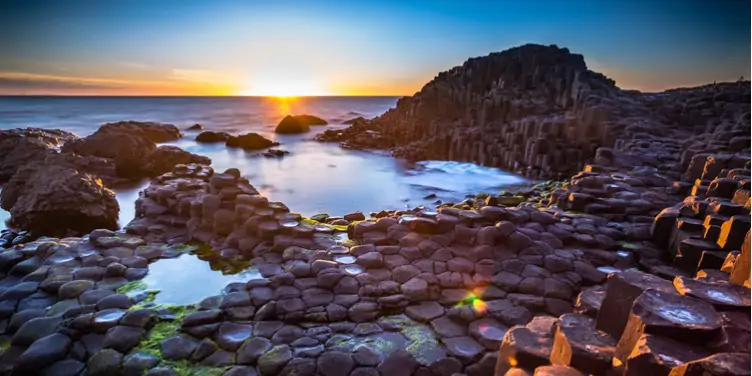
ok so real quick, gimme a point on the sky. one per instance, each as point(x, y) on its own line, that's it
point(349, 47)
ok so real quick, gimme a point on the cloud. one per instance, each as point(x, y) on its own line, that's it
point(199, 76)
point(177, 82)
point(30, 81)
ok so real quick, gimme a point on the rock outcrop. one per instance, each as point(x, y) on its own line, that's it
point(155, 132)
point(164, 158)
point(127, 150)
point(22, 146)
point(132, 147)
point(250, 141)
point(211, 136)
point(57, 200)
point(537, 110)
point(298, 124)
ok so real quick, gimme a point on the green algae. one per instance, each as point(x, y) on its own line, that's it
point(132, 286)
point(4, 344)
point(423, 347)
point(161, 331)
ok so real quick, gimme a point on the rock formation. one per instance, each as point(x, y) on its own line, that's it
point(19, 147)
point(250, 141)
point(298, 124)
point(57, 200)
point(538, 110)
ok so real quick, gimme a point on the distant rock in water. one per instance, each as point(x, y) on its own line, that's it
point(196, 127)
point(210, 137)
point(164, 158)
point(354, 120)
point(59, 201)
point(19, 147)
point(155, 132)
point(250, 141)
point(298, 124)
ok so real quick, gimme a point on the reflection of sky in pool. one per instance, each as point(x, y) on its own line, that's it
point(188, 279)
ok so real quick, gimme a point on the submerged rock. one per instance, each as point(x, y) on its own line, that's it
point(298, 123)
point(250, 141)
point(211, 136)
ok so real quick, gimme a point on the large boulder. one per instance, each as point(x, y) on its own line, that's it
point(155, 132)
point(19, 147)
point(298, 124)
point(164, 158)
point(102, 168)
point(59, 201)
point(250, 141)
point(126, 149)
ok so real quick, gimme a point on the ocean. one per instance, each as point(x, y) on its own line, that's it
point(314, 178)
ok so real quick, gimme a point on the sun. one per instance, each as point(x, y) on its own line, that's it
point(282, 88)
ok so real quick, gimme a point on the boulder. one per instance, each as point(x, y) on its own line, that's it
point(126, 149)
point(63, 201)
point(297, 124)
point(21, 146)
point(155, 132)
point(210, 137)
point(250, 141)
point(164, 158)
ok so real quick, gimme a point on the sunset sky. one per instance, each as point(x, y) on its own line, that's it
point(384, 47)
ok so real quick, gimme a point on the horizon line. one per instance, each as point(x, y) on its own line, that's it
point(203, 95)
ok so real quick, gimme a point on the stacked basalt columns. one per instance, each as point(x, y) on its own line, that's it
point(505, 110)
point(707, 230)
point(639, 324)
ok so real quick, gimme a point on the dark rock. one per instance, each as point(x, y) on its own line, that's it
point(682, 318)
point(622, 290)
point(44, 351)
point(61, 201)
point(578, 344)
point(210, 137)
point(250, 141)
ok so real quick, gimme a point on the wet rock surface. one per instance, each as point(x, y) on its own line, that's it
point(636, 265)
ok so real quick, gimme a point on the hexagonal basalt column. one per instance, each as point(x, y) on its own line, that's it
point(578, 344)
point(657, 355)
point(685, 319)
point(621, 291)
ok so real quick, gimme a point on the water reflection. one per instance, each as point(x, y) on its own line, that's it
point(188, 279)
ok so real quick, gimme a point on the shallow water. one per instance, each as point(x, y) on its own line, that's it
point(188, 279)
point(314, 178)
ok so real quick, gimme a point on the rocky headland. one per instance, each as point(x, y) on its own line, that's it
point(637, 263)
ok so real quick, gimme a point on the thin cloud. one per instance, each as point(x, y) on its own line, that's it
point(199, 76)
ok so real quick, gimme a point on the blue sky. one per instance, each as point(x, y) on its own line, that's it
point(351, 47)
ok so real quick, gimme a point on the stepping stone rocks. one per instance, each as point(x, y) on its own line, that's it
point(578, 344)
point(621, 291)
point(44, 351)
point(682, 318)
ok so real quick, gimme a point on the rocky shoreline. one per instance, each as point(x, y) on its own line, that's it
point(638, 264)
